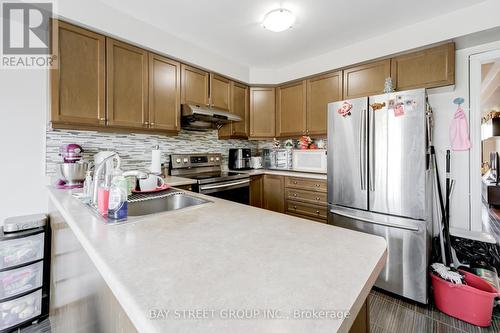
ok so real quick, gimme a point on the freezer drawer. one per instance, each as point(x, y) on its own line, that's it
point(408, 249)
point(18, 251)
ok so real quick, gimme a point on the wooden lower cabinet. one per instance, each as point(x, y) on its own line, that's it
point(297, 196)
point(306, 198)
point(274, 193)
point(257, 191)
point(362, 322)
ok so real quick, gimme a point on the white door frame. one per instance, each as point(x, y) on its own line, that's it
point(475, 62)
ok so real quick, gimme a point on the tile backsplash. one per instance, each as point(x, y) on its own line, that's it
point(135, 149)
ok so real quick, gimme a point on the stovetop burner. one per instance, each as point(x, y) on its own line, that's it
point(205, 168)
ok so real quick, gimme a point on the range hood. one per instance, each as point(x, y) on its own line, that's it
point(196, 117)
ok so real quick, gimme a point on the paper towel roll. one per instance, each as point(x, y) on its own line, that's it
point(155, 161)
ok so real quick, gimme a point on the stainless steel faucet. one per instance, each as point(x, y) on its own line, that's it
point(97, 175)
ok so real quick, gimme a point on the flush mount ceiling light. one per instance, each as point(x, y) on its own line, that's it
point(278, 20)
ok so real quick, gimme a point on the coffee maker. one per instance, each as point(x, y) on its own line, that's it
point(239, 158)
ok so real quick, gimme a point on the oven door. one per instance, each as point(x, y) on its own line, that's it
point(233, 190)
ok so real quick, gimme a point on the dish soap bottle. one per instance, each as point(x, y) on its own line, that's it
point(118, 206)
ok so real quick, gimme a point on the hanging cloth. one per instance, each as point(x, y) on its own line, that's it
point(459, 131)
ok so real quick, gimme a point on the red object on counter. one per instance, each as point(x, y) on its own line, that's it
point(103, 200)
point(472, 302)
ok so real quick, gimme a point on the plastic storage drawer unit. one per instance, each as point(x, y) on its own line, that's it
point(20, 280)
point(19, 251)
point(21, 309)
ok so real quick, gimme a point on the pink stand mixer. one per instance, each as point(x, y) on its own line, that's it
point(72, 170)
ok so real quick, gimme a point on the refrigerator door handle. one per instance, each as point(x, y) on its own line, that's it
point(373, 221)
point(371, 177)
point(362, 150)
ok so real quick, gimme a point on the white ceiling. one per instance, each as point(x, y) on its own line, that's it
point(231, 28)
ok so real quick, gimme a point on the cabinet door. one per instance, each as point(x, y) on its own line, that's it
point(239, 107)
point(194, 88)
point(164, 93)
point(321, 90)
point(78, 83)
point(262, 112)
point(291, 110)
point(274, 193)
point(256, 191)
point(127, 70)
point(366, 80)
point(434, 67)
point(220, 92)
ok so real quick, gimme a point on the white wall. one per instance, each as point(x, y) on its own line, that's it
point(98, 16)
point(23, 108)
point(461, 22)
point(441, 101)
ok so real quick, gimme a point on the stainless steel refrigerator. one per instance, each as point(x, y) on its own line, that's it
point(379, 181)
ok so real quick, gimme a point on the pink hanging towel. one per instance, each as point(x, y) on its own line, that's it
point(459, 131)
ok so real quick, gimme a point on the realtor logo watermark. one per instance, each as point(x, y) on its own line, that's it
point(26, 35)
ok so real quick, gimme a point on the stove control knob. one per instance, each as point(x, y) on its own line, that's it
point(211, 159)
point(178, 160)
point(217, 158)
point(185, 160)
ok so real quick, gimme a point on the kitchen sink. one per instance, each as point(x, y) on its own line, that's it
point(141, 204)
point(144, 204)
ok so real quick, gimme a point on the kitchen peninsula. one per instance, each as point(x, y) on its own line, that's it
point(272, 272)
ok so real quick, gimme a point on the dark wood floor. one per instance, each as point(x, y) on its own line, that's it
point(491, 221)
point(388, 314)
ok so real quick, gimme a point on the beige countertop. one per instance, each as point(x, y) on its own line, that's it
point(223, 256)
point(290, 173)
point(178, 181)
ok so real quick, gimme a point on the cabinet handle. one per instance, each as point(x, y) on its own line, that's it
point(317, 198)
point(295, 194)
point(295, 182)
point(146, 123)
point(152, 124)
point(317, 212)
point(102, 119)
point(294, 207)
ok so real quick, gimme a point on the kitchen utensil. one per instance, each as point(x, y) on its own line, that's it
point(158, 189)
point(73, 173)
point(256, 162)
point(153, 182)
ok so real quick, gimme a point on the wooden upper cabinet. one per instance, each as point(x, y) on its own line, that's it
point(239, 106)
point(321, 90)
point(367, 79)
point(291, 109)
point(220, 92)
point(127, 69)
point(262, 112)
point(430, 68)
point(164, 93)
point(194, 89)
point(274, 193)
point(78, 83)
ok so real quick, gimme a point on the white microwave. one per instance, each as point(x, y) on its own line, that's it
point(310, 160)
